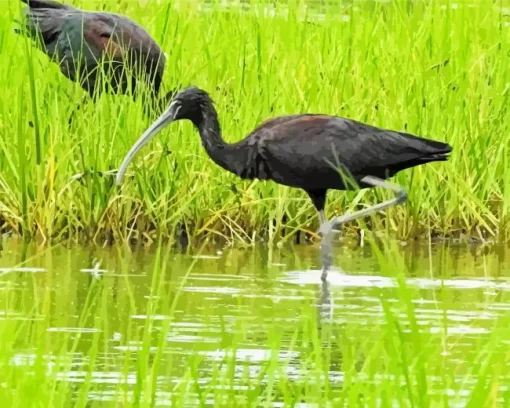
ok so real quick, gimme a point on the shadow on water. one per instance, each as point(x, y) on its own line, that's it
point(234, 310)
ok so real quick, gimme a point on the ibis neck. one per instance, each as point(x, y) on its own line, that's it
point(210, 133)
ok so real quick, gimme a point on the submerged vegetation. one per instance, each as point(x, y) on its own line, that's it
point(435, 69)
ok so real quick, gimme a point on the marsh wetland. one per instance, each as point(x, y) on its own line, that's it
point(190, 287)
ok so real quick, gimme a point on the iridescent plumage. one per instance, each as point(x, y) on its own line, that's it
point(78, 40)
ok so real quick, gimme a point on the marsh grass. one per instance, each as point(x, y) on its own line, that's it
point(432, 68)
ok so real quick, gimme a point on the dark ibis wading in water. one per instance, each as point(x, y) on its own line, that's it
point(78, 41)
point(304, 151)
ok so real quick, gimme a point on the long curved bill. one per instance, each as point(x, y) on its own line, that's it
point(165, 119)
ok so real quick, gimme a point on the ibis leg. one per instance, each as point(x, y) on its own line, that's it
point(326, 251)
point(326, 229)
point(401, 196)
point(322, 217)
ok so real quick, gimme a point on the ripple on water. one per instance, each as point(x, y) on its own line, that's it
point(73, 329)
point(312, 277)
point(212, 289)
point(22, 269)
point(249, 355)
point(11, 316)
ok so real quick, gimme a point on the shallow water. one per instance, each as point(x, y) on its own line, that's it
point(240, 307)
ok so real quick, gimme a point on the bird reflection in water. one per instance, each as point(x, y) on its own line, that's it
point(325, 302)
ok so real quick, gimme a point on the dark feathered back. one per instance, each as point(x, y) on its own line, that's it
point(77, 40)
point(38, 4)
point(43, 18)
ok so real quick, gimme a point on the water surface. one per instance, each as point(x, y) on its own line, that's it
point(96, 314)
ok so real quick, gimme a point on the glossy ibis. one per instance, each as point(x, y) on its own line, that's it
point(308, 151)
point(79, 40)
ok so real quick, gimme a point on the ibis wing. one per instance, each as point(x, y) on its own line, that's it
point(117, 37)
point(305, 149)
point(43, 20)
point(47, 4)
point(87, 37)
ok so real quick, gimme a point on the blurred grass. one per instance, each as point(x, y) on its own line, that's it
point(436, 69)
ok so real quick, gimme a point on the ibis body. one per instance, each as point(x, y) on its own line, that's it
point(314, 152)
point(78, 41)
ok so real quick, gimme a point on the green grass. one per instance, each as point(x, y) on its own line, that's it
point(428, 68)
